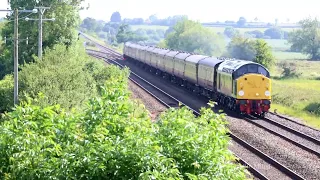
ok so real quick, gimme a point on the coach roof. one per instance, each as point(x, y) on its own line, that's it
point(195, 58)
point(211, 61)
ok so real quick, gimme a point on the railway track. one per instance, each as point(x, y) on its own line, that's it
point(296, 137)
point(264, 160)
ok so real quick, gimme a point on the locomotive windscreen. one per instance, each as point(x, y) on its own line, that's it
point(251, 68)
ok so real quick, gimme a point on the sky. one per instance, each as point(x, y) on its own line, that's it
point(202, 10)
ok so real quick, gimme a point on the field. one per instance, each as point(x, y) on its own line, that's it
point(135, 27)
point(298, 98)
point(243, 30)
point(295, 97)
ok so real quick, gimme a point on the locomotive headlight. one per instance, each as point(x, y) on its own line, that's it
point(241, 93)
point(267, 93)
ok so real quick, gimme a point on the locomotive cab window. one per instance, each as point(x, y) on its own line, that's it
point(250, 68)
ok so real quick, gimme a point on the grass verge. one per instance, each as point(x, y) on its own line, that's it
point(298, 98)
point(307, 118)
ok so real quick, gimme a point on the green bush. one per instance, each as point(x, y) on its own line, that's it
point(68, 77)
point(114, 138)
point(6, 93)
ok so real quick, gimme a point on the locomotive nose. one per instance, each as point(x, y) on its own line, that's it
point(254, 86)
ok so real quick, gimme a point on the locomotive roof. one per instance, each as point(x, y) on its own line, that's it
point(182, 56)
point(211, 61)
point(233, 65)
point(195, 58)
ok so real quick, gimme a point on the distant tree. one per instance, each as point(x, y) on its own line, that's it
point(285, 34)
point(307, 39)
point(241, 48)
point(274, 33)
point(89, 24)
point(191, 36)
point(92, 25)
point(160, 32)
point(230, 32)
point(241, 22)
point(256, 33)
point(125, 34)
point(253, 50)
point(153, 18)
point(168, 31)
point(263, 54)
point(115, 17)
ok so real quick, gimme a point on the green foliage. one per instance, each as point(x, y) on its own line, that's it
point(241, 48)
point(191, 36)
point(307, 39)
point(289, 70)
point(91, 25)
point(115, 17)
point(230, 32)
point(253, 50)
point(61, 76)
point(255, 33)
point(263, 54)
point(115, 139)
point(62, 30)
point(241, 22)
point(125, 34)
point(68, 77)
point(6, 93)
point(274, 33)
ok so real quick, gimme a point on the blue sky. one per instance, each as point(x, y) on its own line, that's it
point(202, 10)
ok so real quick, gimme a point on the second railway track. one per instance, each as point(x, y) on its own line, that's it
point(267, 167)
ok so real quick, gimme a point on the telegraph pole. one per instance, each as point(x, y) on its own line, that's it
point(16, 50)
point(41, 12)
point(16, 63)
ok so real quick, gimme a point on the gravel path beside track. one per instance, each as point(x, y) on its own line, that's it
point(151, 104)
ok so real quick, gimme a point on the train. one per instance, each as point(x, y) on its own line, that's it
point(239, 85)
